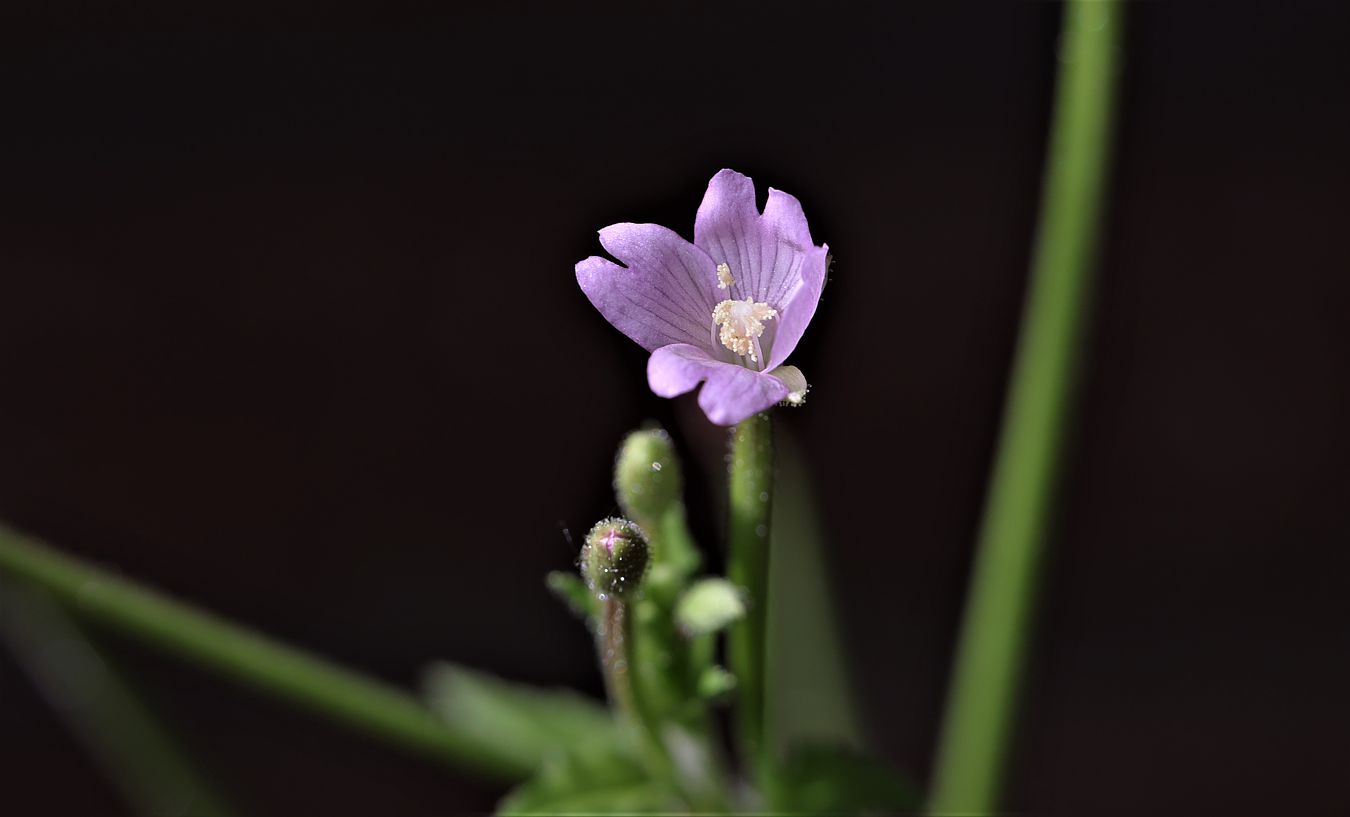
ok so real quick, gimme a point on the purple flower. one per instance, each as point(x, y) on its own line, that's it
point(725, 310)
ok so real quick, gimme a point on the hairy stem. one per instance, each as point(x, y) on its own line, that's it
point(750, 493)
point(977, 728)
point(614, 639)
point(618, 638)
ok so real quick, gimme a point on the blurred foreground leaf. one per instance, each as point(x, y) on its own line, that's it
point(595, 778)
point(708, 606)
point(808, 694)
point(102, 708)
point(525, 723)
point(573, 592)
point(289, 674)
point(821, 779)
point(715, 683)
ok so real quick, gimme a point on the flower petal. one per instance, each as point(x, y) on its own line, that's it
point(663, 294)
point(731, 392)
point(800, 306)
point(771, 255)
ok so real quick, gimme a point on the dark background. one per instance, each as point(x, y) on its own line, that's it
point(288, 328)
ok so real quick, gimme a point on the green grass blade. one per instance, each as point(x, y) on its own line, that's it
point(977, 729)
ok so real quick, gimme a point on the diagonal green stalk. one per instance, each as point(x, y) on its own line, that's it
point(750, 493)
point(977, 727)
point(258, 662)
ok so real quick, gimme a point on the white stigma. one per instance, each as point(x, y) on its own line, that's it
point(742, 323)
point(724, 276)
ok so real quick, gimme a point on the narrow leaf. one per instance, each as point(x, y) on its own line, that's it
point(591, 778)
point(525, 723)
point(808, 694)
point(823, 779)
point(572, 591)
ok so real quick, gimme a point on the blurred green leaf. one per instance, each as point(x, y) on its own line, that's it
point(676, 545)
point(823, 779)
point(808, 697)
point(715, 683)
point(655, 658)
point(701, 652)
point(526, 723)
point(708, 606)
point(663, 584)
point(103, 709)
point(573, 592)
point(594, 778)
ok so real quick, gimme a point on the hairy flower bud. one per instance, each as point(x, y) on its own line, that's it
point(614, 558)
point(647, 477)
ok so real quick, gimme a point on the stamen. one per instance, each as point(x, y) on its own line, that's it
point(742, 323)
point(724, 276)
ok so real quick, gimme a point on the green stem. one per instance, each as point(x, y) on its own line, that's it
point(640, 701)
point(618, 638)
point(750, 492)
point(668, 666)
point(977, 728)
point(614, 631)
point(248, 658)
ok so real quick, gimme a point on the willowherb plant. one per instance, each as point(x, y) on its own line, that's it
point(721, 314)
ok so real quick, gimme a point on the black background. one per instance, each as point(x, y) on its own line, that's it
point(288, 327)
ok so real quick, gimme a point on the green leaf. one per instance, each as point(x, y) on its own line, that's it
point(822, 779)
point(574, 593)
point(715, 683)
point(525, 723)
point(676, 546)
point(655, 659)
point(621, 798)
point(593, 778)
point(708, 606)
point(808, 696)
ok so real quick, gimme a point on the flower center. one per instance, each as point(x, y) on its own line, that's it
point(742, 323)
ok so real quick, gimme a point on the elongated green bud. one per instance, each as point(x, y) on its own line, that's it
point(647, 479)
point(614, 558)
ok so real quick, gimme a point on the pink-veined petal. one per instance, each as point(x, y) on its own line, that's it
point(730, 392)
point(770, 255)
point(662, 294)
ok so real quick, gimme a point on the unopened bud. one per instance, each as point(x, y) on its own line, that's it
point(614, 558)
point(647, 477)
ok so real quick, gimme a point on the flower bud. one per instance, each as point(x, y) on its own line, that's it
point(614, 558)
point(647, 477)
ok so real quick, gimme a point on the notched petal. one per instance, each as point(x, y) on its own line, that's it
point(769, 255)
point(662, 292)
